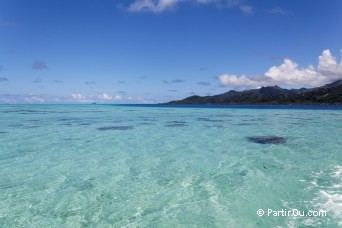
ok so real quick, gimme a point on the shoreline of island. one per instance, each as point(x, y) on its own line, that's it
point(329, 94)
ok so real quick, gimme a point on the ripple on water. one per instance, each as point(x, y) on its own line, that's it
point(328, 198)
point(209, 120)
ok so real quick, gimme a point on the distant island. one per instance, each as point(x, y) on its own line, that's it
point(327, 94)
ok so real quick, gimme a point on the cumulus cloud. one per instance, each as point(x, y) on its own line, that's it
point(77, 96)
point(289, 73)
point(242, 81)
point(158, 6)
point(328, 64)
point(39, 65)
point(105, 96)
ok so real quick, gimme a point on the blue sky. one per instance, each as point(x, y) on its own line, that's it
point(148, 51)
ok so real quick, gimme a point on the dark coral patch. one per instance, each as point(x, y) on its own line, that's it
point(31, 126)
point(119, 128)
point(85, 124)
point(176, 125)
point(214, 126)
point(16, 125)
point(146, 123)
point(267, 139)
point(176, 122)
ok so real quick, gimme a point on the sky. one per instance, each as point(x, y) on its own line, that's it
point(152, 51)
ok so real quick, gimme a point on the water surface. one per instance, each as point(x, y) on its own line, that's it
point(159, 166)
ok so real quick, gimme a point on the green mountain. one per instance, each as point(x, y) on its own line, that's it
point(327, 94)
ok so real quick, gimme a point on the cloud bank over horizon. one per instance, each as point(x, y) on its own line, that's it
point(74, 98)
point(290, 74)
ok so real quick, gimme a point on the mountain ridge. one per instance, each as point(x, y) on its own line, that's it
point(327, 94)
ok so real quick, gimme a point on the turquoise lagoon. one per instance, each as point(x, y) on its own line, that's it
point(158, 166)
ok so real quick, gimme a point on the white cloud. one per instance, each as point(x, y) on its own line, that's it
point(139, 100)
point(242, 81)
point(152, 5)
point(276, 10)
point(71, 99)
point(246, 9)
point(34, 99)
point(99, 97)
point(104, 96)
point(118, 97)
point(328, 64)
point(135, 99)
point(289, 73)
point(77, 96)
point(22, 99)
point(158, 6)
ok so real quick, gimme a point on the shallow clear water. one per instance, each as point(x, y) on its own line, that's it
point(133, 166)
